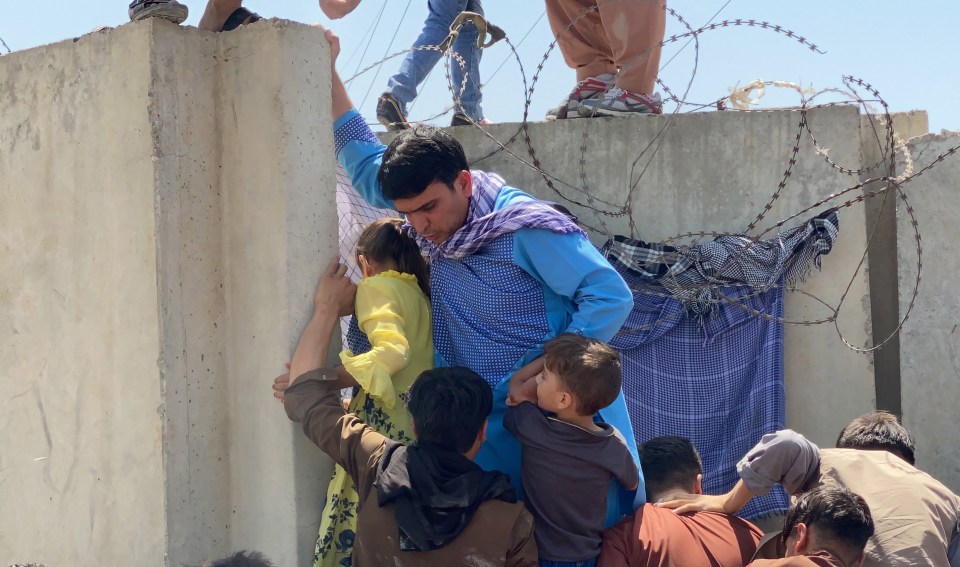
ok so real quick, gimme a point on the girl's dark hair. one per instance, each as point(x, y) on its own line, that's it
point(385, 241)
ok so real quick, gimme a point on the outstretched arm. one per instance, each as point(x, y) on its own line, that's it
point(341, 100)
point(312, 398)
point(784, 457)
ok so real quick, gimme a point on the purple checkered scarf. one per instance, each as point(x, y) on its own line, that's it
point(483, 224)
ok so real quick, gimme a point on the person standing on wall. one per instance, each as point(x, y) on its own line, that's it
point(614, 46)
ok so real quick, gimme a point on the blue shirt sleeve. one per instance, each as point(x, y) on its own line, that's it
point(572, 268)
point(360, 153)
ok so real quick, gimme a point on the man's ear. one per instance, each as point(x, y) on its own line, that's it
point(414, 425)
point(803, 538)
point(483, 432)
point(859, 560)
point(564, 400)
point(698, 484)
point(465, 180)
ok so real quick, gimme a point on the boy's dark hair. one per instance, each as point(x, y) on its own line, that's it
point(242, 559)
point(385, 240)
point(449, 406)
point(878, 430)
point(588, 368)
point(669, 462)
point(837, 515)
point(418, 157)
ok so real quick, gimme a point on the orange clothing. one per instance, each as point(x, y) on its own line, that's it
point(623, 35)
point(657, 537)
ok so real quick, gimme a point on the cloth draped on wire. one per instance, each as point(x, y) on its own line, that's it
point(702, 350)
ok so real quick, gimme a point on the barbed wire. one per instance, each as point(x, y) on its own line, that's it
point(887, 185)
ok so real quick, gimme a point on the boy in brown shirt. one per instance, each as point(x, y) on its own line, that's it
point(568, 460)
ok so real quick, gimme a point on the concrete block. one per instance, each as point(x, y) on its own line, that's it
point(167, 205)
point(658, 177)
point(930, 341)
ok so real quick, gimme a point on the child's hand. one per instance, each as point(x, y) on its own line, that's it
point(522, 391)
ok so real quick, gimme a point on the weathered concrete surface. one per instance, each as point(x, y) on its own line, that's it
point(930, 341)
point(715, 172)
point(81, 403)
point(166, 208)
point(881, 224)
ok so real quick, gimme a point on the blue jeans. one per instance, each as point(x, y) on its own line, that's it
point(417, 64)
point(584, 563)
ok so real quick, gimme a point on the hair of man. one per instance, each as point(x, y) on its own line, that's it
point(385, 241)
point(588, 368)
point(242, 559)
point(878, 431)
point(839, 518)
point(669, 462)
point(449, 407)
point(418, 157)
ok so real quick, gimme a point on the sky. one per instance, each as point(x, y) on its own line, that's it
point(907, 55)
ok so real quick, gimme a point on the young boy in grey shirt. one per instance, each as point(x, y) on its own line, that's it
point(568, 460)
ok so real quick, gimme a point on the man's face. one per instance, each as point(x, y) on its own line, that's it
point(438, 211)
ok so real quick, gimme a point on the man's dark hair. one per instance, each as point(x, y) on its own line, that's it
point(242, 559)
point(449, 406)
point(588, 368)
point(418, 157)
point(669, 462)
point(838, 516)
point(878, 431)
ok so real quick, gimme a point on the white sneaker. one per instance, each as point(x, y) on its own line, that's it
point(592, 88)
point(618, 102)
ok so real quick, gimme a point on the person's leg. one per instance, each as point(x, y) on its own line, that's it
point(635, 29)
point(418, 63)
point(216, 13)
point(466, 47)
point(584, 45)
point(585, 49)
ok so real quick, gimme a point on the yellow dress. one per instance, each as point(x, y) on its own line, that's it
point(394, 313)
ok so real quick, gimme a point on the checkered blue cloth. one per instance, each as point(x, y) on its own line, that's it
point(697, 361)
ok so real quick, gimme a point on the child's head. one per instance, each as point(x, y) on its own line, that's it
point(579, 373)
point(384, 245)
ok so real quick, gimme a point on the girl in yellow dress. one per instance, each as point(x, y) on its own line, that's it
point(393, 310)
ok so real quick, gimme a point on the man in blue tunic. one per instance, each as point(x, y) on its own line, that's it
point(507, 271)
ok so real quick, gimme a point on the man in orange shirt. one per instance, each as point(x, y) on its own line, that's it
point(656, 536)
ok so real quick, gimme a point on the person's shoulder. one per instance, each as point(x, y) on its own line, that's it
point(502, 516)
point(511, 196)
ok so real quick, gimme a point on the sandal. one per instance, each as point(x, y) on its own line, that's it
point(164, 9)
point(240, 17)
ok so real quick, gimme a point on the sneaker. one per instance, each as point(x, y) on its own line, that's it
point(391, 113)
point(618, 102)
point(463, 120)
point(592, 88)
point(165, 9)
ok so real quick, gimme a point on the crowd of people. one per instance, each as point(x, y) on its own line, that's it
point(489, 426)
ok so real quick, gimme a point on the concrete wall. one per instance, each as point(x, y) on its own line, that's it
point(930, 341)
point(715, 172)
point(163, 228)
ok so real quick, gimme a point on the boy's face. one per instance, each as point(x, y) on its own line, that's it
point(551, 395)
